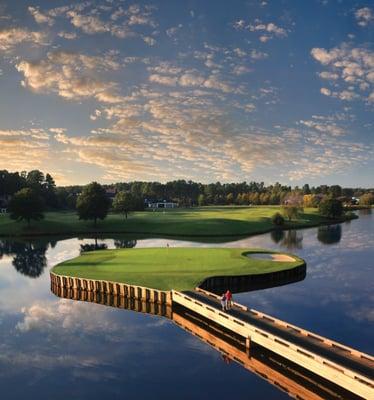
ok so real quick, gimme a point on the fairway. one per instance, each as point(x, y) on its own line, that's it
point(191, 222)
point(169, 268)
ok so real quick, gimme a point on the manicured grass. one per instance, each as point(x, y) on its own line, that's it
point(168, 268)
point(203, 221)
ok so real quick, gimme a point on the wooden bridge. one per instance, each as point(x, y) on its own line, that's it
point(348, 368)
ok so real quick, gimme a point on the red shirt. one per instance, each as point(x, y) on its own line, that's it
point(228, 295)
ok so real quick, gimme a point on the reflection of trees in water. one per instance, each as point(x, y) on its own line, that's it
point(329, 234)
point(293, 239)
point(277, 235)
point(365, 211)
point(29, 257)
point(124, 244)
point(91, 247)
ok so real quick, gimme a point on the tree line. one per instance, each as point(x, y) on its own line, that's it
point(29, 194)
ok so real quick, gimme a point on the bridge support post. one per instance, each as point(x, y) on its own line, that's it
point(247, 345)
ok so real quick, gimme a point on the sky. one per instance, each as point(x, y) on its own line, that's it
point(213, 90)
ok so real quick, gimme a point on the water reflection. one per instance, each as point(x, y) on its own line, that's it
point(329, 234)
point(365, 211)
point(91, 351)
point(292, 240)
point(275, 369)
point(277, 235)
point(86, 247)
point(124, 244)
point(29, 256)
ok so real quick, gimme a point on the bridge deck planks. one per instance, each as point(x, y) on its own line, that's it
point(364, 367)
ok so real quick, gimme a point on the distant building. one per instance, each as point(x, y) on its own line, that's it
point(4, 202)
point(355, 201)
point(160, 204)
point(111, 192)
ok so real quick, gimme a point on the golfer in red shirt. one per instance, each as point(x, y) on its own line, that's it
point(228, 299)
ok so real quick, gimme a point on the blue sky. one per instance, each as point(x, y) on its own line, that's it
point(202, 90)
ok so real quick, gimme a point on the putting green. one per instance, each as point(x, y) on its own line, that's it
point(170, 268)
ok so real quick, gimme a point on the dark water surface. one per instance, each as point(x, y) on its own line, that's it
point(52, 348)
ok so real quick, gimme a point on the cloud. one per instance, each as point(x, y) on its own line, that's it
point(23, 149)
point(163, 79)
point(39, 17)
point(258, 55)
point(171, 32)
point(330, 128)
point(192, 78)
point(158, 135)
point(241, 70)
point(267, 30)
point(121, 23)
point(149, 40)
point(364, 16)
point(11, 37)
point(68, 35)
point(350, 69)
point(88, 23)
point(71, 75)
point(328, 75)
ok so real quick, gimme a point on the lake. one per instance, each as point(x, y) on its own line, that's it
point(58, 348)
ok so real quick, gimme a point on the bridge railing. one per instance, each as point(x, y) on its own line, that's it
point(339, 374)
point(295, 328)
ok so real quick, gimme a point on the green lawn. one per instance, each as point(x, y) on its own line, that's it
point(203, 221)
point(168, 268)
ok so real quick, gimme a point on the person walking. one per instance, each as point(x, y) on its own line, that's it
point(223, 302)
point(228, 295)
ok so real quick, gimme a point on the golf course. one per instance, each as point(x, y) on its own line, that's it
point(173, 268)
point(190, 222)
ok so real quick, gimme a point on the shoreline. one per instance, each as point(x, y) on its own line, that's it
point(160, 235)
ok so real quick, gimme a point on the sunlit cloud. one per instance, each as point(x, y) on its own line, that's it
point(350, 71)
point(165, 99)
point(11, 37)
point(364, 16)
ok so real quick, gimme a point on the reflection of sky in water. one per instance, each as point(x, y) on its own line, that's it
point(53, 348)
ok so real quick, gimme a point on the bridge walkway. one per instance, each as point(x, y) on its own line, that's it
point(363, 366)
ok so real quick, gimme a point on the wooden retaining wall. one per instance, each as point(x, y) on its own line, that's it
point(247, 283)
point(112, 300)
point(112, 288)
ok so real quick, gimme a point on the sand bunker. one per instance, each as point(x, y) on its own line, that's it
point(272, 257)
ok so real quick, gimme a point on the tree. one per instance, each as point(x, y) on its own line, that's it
point(93, 203)
point(49, 191)
point(277, 219)
point(124, 202)
point(292, 206)
point(26, 205)
point(306, 189)
point(367, 199)
point(201, 200)
point(291, 212)
point(310, 200)
point(335, 191)
point(230, 198)
point(331, 208)
point(35, 179)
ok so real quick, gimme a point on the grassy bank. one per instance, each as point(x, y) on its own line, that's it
point(168, 268)
point(203, 221)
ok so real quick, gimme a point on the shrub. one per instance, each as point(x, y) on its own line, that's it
point(277, 219)
point(331, 208)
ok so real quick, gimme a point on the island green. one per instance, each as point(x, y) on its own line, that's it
point(169, 268)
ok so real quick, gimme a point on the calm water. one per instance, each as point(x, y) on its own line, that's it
point(52, 348)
